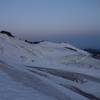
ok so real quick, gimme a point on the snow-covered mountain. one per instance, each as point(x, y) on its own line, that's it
point(46, 71)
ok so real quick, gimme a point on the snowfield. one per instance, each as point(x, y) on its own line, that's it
point(46, 71)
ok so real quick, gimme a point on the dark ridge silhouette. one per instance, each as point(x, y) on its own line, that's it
point(7, 33)
point(36, 42)
point(28, 41)
point(95, 53)
point(70, 48)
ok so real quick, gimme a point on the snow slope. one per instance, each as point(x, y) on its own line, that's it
point(46, 71)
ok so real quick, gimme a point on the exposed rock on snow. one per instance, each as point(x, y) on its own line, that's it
point(7, 33)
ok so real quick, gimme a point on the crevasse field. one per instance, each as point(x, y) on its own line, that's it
point(46, 71)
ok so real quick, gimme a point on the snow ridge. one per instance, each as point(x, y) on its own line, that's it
point(46, 71)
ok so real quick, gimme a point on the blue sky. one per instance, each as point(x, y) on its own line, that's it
point(52, 19)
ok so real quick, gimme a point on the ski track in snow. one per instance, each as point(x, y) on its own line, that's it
point(68, 75)
point(78, 77)
point(33, 81)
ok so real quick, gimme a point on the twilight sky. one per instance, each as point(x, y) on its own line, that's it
point(73, 21)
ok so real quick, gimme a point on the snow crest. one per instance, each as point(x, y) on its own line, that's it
point(46, 71)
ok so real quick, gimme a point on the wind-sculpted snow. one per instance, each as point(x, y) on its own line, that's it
point(46, 71)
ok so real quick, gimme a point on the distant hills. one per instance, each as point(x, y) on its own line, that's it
point(94, 52)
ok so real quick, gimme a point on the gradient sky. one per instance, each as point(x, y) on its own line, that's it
point(73, 21)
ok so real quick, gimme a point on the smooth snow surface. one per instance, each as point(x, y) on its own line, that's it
point(46, 71)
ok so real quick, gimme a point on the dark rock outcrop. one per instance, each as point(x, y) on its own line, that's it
point(7, 33)
point(95, 53)
point(36, 42)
